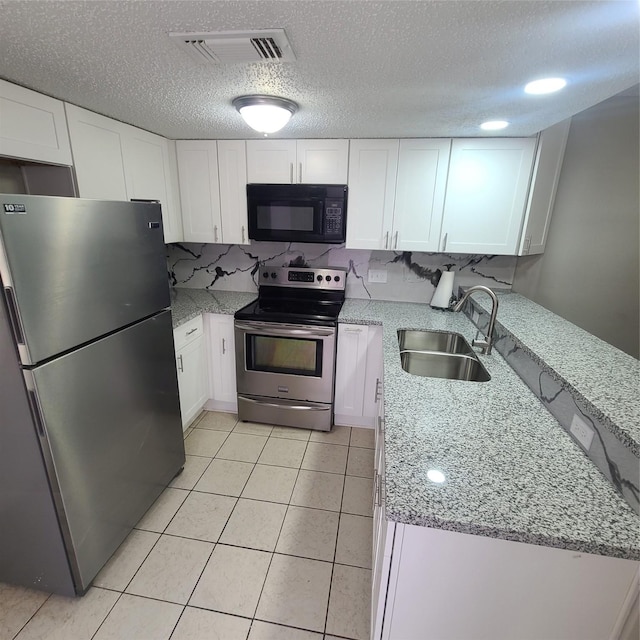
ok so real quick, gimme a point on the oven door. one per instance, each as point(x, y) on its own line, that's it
point(289, 361)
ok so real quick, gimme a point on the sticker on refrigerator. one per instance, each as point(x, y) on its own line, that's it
point(15, 208)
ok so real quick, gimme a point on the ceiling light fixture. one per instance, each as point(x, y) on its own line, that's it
point(266, 114)
point(494, 125)
point(545, 85)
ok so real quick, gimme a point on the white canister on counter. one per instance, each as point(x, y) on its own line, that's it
point(444, 290)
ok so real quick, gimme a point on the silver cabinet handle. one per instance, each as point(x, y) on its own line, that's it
point(352, 330)
point(378, 394)
point(215, 233)
point(291, 172)
point(395, 242)
point(444, 241)
point(180, 365)
point(300, 174)
point(191, 331)
point(242, 234)
point(224, 348)
point(527, 246)
point(386, 240)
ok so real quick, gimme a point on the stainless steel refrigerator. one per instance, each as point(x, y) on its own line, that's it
point(90, 429)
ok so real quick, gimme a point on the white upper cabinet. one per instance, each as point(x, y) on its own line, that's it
point(297, 161)
point(486, 194)
point(420, 192)
point(32, 126)
point(213, 179)
point(115, 161)
point(373, 167)
point(544, 182)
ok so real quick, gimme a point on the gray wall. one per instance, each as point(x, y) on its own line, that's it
point(590, 271)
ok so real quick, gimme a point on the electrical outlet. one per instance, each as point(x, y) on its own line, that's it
point(377, 275)
point(582, 431)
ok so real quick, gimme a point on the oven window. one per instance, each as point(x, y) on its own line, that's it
point(284, 355)
point(285, 217)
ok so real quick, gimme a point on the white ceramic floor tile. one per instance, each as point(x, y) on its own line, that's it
point(200, 624)
point(139, 618)
point(194, 467)
point(124, 563)
point(172, 569)
point(309, 533)
point(162, 510)
point(186, 432)
point(355, 537)
point(226, 477)
point(296, 592)
point(62, 618)
point(202, 516)
point(318, 490)
point(254, 524)
point(360, 462)
point(361, 437)
point(358, 496)
point(232, 580)
point(274, 484)
point(350, 603)
point(204, 442)
point(253, 428)
point(242, 447)
point(292, 433)
point(217, 421)
point(331, 458)
point(283, 452)
point(268, 631)
point(337, 435)
point(17, 605)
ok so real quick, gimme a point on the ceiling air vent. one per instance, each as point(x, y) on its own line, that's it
point(234, 47)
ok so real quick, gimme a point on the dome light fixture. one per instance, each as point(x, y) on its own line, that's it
point(545, 85)
point(494, 125)
point(265, 114)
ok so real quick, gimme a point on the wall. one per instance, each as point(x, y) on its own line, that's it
point(590, 271)
point(411, 277)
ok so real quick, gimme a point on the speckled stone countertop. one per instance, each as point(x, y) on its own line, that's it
point(512, 472)
point(188, 303)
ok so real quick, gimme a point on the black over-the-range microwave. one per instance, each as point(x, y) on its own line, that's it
point(297, 212)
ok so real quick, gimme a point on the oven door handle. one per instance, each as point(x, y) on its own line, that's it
point(296, 407)
point(287, 330)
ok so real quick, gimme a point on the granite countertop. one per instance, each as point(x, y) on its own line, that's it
point(189, 303)
point(512, 472)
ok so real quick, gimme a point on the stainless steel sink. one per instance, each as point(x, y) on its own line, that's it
point(440, 354)
point(440, 341)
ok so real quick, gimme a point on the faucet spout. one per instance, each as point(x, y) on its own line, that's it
point(487, 342)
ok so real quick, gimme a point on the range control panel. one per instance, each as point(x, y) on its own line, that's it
point(304, 278)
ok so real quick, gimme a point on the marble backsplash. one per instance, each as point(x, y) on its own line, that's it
point(411, 276)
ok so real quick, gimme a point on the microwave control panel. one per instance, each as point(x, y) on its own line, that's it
point(333, 219)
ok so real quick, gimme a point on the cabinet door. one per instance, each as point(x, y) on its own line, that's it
point(147, 172)
point(222, 362)
point(322, 161)
point(373, 375)
point(199, 191)
point(96, 143)
point(486, 195)
point(271, 161)
point(32, 126)
point(546, 174)
point(373, 166)
point(232, 168)
point(420, 189)
point(351, 366)
point(192, 379)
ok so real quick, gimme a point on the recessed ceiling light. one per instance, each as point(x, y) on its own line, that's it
point(494, 125)
point(545, 85)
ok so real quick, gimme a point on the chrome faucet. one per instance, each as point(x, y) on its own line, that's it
point(487, 342)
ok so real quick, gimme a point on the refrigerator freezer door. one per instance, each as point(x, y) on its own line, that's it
point(75, 270)
point(112, 436)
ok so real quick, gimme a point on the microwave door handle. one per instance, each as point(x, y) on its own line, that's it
point(284, 330)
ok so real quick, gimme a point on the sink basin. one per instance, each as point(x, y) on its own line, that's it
point(453, 366)
point(440, 341)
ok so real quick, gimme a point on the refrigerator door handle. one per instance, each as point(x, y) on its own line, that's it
point(14, 316)
point(37, 415)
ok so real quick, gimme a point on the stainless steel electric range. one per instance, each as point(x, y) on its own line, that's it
point(286, 347)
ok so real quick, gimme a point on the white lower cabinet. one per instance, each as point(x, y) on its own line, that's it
point(358, 374)
point(191, 364)
point(448, 586)
point(222, 362)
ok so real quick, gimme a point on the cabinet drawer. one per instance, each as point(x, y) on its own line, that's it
point(188, 332)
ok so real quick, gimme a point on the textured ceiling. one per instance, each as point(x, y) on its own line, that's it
point(364, 68)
